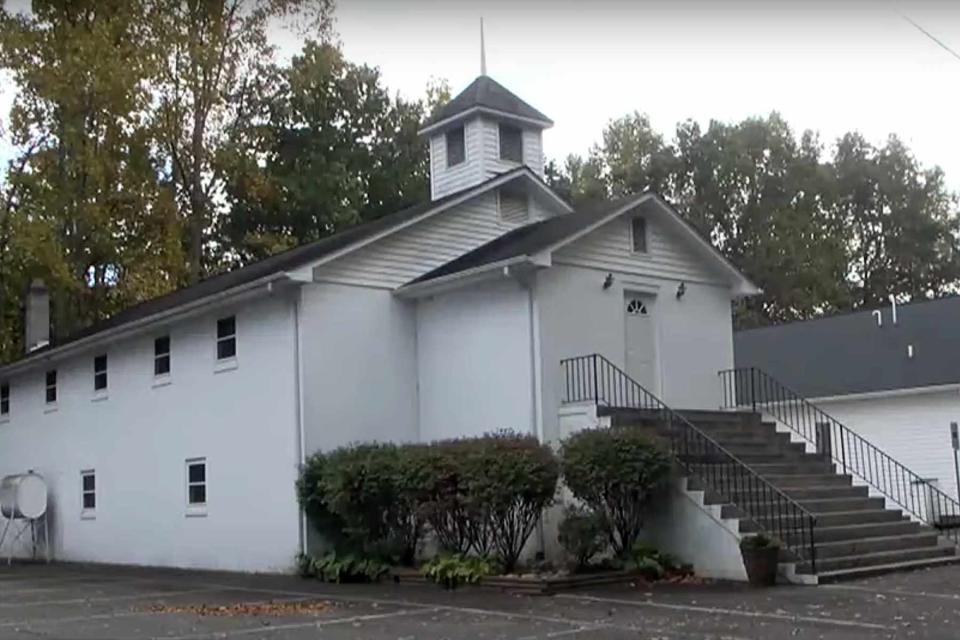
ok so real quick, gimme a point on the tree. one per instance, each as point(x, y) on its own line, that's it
point(330, 150)
point(213, 64)
point(85, 208)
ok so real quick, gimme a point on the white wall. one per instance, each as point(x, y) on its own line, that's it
point(914, 429)
point(359, 366)
point(578, 317)
point(474, 359)
point(137, 439)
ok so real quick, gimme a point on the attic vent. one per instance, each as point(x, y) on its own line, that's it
point(513, 207)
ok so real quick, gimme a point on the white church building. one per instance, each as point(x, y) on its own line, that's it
point(172, 433)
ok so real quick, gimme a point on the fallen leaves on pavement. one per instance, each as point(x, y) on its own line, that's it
point(300, 607)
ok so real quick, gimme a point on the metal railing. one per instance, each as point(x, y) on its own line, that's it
point(595, 379)
point(753, 388)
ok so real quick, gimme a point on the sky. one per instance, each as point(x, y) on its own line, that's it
point(828, 66)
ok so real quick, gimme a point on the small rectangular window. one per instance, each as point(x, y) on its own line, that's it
point(5, 399)
point(511, 143)
point(456, 146)
point(639, 232)
point(226, 338)
point(88, 489)
point(197, 482)
point(100, 373)
point(51, 386)
point(161, 356)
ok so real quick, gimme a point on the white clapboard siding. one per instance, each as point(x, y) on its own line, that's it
point(533, 150)
point(410, 253)
point(514, 208)
point(444, 179)
point(609, 248)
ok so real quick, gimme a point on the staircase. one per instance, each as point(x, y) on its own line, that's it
point(802, 493)
point(855, 535)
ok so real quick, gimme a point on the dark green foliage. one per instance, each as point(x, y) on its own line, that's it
point(446, 506)
point(311, 493)
point(345, 567)
point(511, 479)
point(651, 563)
point(614, 472)
point(759, 541)
point(582, 535)
point(454, 570)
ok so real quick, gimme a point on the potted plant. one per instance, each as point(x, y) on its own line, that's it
point(760, 557)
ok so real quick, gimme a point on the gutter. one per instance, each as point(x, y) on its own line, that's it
point(454, 280)
point(134, 326)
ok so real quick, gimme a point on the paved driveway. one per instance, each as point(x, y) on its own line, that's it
point(76, 602)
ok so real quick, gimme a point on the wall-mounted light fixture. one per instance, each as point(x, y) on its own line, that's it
point(681, 290)
point(608, 281)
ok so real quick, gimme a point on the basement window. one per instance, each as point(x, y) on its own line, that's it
point(196, 483)
point(51, 388)
point(456, 146)
point(638, 231)
point(161, 356)
point(88, 492)
point(511, 143)
point(227, 338)
point(5, 399)
point(100, 373)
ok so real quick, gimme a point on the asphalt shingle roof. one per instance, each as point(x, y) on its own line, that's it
point(849, 353)
point(487, 92)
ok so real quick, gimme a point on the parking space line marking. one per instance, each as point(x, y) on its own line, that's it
point(155, 594)
point(303, 625)
point(891, 592)
point(839, 622)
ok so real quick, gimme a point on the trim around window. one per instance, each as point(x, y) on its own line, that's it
point(639, 235)
point(195, 474)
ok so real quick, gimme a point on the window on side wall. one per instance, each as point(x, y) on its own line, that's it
point(4, 399)
point(511, 143)
point(456, 146)
point(227, 338)
point(88, 491)
point(51, 387)
point(638, 229)
point(161, 356)
point(196, 483)
point(100, 373)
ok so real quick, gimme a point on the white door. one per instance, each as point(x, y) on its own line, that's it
point(641, 342)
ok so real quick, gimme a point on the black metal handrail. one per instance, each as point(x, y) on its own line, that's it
point(751, 387)
point(595, 379)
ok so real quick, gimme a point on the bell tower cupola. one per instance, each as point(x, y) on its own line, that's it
point(484, 131)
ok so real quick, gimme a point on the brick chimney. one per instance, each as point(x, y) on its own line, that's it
point(38, 316)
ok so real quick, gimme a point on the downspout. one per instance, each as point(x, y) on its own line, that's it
point(298, 389)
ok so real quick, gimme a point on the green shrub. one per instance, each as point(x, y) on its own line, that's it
point(614, 472)
point(343, 567)
point(511, 478)
point(454, 570)
point(445, 506)
point(759, 541)
point(582, 535)
point(365, 499)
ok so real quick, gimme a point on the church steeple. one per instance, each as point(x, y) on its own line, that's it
point(483, 131)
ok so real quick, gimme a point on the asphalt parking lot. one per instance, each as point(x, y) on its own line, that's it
point(81, 602)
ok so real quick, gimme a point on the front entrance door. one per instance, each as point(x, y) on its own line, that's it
point(641, 342)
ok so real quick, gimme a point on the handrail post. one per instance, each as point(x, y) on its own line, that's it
point(753, 393)
point(813, 545)
point(596, 389)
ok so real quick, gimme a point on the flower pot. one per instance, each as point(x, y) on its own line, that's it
point(761, 565)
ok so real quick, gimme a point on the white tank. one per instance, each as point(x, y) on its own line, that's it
point(23, 495)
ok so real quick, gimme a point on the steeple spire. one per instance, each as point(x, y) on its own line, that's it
point(483, 52)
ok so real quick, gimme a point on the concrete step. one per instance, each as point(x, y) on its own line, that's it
point(750, 450)
point(858, 531)
point(751, 437)
point(842, 548)
point(863, 560)
point(839, 575)
point(819, 507)
point(802, 467)
point(815, 492)
point(818, 480)
point(823, 520)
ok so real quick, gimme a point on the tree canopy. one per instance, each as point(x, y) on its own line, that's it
point(818, 229)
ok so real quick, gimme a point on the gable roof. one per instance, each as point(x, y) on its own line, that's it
point(849, 353)
point(554, 233)
point(485, 94)
point(273, 267)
